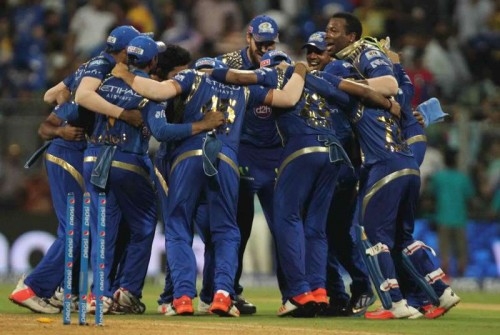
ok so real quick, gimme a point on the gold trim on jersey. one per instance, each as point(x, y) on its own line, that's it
point(379, 184)
point(233, 59)
point(417, 138)
point(162, 181)
point(298, 153)
point(199, 152)
point(68, 167)
point(122, 165)
point(195, 86)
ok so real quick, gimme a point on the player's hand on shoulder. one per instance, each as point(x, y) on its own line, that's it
point(119, 70)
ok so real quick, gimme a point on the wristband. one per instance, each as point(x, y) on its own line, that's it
point(334, 80)
point(219, 75)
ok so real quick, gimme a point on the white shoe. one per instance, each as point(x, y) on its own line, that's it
point(25, 297)
point(167, 309)
point(128, 302)
point(203, 307)
point(108, 306)
point(57, 300)
point(448, 299)
point(415, 313)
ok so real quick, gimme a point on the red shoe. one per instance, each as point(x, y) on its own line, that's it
point(320, 297)
point(183, 305)
point(302, 305)
point(222, 305)
point(432, 312)
point(399, 310)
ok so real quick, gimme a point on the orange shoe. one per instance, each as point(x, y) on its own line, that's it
point(301, 306)
point(399, 310)
point(432, 312)
point(321, 298)
point(183, 306)
point(222, 305)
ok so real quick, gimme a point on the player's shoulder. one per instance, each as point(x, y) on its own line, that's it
point(233, 59)
point(371, 52)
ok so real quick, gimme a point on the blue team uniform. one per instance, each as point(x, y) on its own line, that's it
point(258, 157)
point(190, 183)
point(342, 249)
point(413, 132)
point(390, 178)
point(64, 166)
point(304, 189)
point(129, 188)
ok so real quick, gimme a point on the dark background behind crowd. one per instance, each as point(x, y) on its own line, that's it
point(450, 49)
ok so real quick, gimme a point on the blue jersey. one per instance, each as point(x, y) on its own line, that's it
point(340, 120)
point(259, 127)
point(203, 94)
point(311, 115)
point(126, 137)
point(370, 62)
point(404, 97)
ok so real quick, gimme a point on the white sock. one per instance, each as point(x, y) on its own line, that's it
point(226, 293)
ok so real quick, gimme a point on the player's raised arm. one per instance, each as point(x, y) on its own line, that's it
point(291, 93)
point(147, 87)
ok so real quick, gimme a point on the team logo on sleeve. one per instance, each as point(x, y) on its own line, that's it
point(263, 112)
point(372, 54)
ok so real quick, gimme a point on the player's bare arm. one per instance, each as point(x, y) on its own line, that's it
point(147, 87)
point(87, 97)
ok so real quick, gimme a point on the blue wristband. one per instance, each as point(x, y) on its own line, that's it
point(219, 74)
point(335, 80)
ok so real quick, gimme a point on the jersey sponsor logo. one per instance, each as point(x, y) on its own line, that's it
point(160, 114)
point(263, 112)
point(372, 54)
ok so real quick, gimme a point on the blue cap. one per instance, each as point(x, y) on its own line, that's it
point(273, 58)
point(120, 37)
point(431, 111)
point(317, 40)
point(263, 28)
point(209, 63)
point(144, 48)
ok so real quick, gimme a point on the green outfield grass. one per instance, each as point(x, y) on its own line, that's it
point(477, 314)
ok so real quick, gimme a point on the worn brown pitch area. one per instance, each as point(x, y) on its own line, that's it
point(16, 324)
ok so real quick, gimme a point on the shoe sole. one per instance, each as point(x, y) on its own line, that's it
point(20, 304)
point(223, 311)
point(308, 310)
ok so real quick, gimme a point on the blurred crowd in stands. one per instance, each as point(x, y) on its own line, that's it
point(450, 48)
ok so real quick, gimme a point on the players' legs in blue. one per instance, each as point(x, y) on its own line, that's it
point(222, 197)
point(186, 183)
point(65, 175)
point(381, 202)
point(136, 199)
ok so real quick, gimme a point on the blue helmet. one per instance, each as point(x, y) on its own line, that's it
point(209, 63)
point(273, 58)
